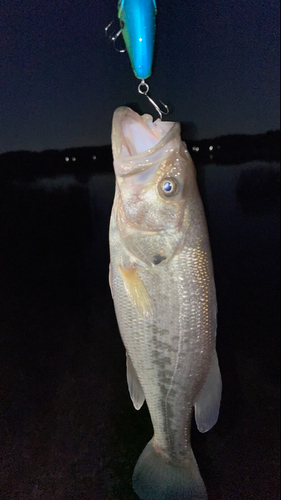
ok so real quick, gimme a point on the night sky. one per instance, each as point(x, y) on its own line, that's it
point(216, 63)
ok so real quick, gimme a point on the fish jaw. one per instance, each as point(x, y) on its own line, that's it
point(146, 153)
point(133, 134)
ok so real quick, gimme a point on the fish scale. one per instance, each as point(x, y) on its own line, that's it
point(150, 346)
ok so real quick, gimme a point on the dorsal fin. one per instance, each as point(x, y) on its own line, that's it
point(207, 405)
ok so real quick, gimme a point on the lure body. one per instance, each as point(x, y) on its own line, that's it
point(137, 19)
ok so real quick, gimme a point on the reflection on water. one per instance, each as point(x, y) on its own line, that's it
point(246, 254)
point(231, 229)
point(257, 177)
point(258, 189)
point(62, 364)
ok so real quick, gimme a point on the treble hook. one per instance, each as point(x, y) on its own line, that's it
point(145, 92)
point(113, 37)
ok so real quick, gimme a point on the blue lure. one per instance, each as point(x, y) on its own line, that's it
point(137, 20)
point(137, 25)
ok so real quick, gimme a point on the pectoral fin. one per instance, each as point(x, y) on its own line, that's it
point(135, 388)
point(207, 405)
point(136, 291)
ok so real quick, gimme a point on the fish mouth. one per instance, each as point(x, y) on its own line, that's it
point(143, 150)
point(135, 136)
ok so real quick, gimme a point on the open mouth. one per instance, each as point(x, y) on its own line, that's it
point(133, 134)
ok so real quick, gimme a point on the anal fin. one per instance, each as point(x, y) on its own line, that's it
point(134, 385)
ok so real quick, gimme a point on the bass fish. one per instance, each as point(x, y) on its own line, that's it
point(162, 283)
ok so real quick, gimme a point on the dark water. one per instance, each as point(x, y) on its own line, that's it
point(68, 428)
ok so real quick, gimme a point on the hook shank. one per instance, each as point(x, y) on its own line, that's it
point(143, 89)
point(113, 37)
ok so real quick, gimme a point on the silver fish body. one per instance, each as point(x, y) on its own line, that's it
point(164, 295)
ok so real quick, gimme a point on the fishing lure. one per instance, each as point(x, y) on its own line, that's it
point(137, 20)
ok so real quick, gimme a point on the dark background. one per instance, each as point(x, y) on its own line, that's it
point(68, 428)
point(216, 64)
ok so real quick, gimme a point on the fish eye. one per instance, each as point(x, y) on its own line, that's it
point(169, 187)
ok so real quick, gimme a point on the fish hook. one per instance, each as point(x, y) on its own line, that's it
point(113, 38)
point(144, 91)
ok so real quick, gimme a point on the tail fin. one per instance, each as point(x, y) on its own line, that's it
point(156, 479)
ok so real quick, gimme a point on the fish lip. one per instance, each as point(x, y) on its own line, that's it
point(143, 161)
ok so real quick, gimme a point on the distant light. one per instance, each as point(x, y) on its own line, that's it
point(66, 158)
point(211, 148)
point(140, 39)
point(73, 158)
point(94, 157)
point(196, 148)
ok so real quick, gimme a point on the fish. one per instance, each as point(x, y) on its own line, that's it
point(138, 21)
point(162, 282)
